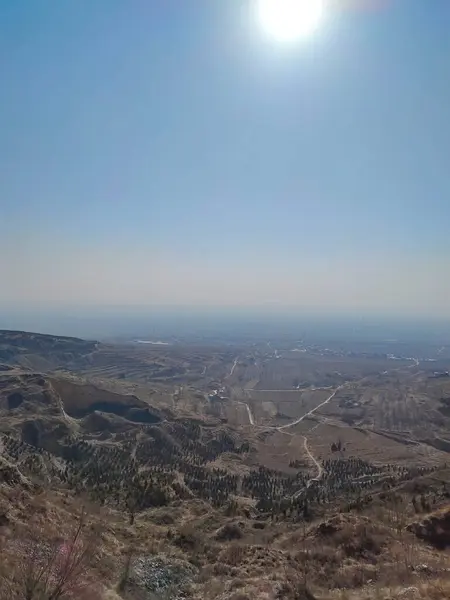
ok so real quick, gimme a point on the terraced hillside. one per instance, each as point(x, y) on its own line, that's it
point(38, 351)
point(141, 363)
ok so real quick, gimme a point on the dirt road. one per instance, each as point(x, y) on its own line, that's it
point(309, 413)
point(232, 368)
point(249, 412)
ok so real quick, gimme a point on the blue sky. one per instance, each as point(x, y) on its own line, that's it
point(168, 152)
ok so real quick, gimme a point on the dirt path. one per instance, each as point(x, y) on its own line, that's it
point(312, 457)
point(232, 368)
point(282, 428)
point(309, 413)
point(249, 412)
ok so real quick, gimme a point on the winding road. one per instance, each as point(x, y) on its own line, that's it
point(282, 428)
point(249, 412)
point(232, 368)
point(309, 413)
point(312, 457)
point(330, 397)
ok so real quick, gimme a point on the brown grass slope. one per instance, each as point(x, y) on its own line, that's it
point(191, 550)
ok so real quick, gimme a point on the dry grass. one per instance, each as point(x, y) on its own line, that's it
point(351, 556)
point(420, 590)
point(40, 566)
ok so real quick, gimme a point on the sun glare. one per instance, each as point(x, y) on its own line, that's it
point(289, 20)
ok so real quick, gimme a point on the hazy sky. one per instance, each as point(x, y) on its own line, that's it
point(166, 151)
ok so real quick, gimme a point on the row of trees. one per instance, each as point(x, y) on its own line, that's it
point(137, 475)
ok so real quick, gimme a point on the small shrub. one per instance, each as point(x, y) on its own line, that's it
point(163, 518)
point(57, 570)
point(187, 539)
point(230, 531)
point(221, 569)
point(294, 591)
point(234, 555)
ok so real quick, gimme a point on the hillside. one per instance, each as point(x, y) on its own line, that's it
point(43, 352)
point(189, 498)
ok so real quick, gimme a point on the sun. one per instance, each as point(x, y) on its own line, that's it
point(289, 20)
